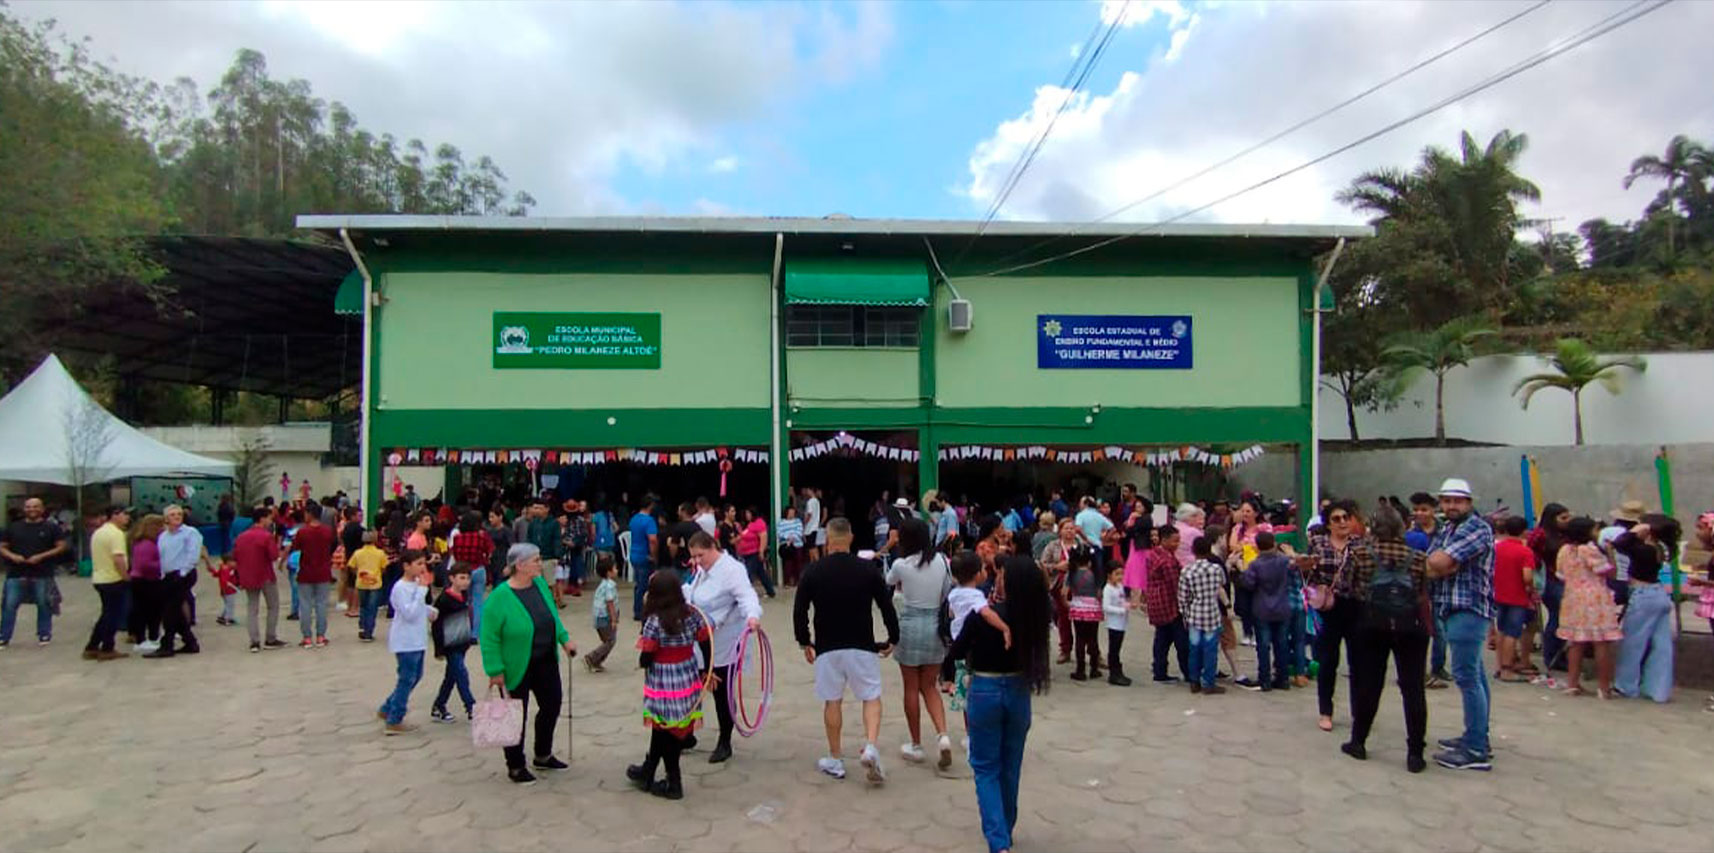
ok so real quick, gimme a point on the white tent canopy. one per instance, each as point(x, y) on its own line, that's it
point(48, 423)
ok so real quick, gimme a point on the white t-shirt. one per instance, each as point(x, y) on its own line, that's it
point(921, 586)
point(1116, 606)
point(812, 520)
point(708, 524)
point(1621, 563)
point(964, 601)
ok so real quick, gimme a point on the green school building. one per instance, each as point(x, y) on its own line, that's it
point(757, 349)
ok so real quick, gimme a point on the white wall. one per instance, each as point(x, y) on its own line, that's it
point(1669, 403)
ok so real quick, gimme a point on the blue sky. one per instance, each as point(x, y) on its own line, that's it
point(918, 109)
point(897, 141)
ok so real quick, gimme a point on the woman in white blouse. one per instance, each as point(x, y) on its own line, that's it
point(720, 588)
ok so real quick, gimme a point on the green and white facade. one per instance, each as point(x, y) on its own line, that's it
point(769, 327)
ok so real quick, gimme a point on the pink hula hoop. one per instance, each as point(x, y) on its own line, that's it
point(741, 720)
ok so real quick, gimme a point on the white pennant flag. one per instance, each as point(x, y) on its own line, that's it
point(797, 455)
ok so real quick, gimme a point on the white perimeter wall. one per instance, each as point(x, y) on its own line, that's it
point(1671, 403)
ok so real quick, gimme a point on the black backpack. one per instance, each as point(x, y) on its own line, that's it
point(1392, 600)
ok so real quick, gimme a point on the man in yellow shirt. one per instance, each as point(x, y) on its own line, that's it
point(369, 563)
point(107, 552)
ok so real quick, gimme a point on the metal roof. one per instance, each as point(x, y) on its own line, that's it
point(833, 225)
point(244, 314)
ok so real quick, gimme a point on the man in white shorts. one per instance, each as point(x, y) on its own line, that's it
point(840, 589)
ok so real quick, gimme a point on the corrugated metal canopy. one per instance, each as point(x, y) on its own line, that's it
point(244, 314)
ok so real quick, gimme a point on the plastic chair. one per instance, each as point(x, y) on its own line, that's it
point(625, 555)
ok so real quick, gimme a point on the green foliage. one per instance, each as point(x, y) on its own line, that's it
point(1575, 366)
point(1437, 351)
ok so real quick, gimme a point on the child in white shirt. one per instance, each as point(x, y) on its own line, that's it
point(968, 598)
point(1116, 606)
point(407, 637)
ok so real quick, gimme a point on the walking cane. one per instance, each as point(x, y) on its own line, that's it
point(569, 749)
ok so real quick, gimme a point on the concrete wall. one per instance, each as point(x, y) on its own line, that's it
point(850, 378)
point(1665, 404)
point(1590, 480)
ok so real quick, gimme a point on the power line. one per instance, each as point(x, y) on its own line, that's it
point(1289, 130)
point(1075, 76)
point(1606, 25)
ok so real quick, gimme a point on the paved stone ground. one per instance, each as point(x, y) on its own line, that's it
point(228, 751)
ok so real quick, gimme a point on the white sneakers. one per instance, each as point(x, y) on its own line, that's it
point(945, 746)
point(146, 646)
point(832, 767)
point(871, 760)
point(912, 753)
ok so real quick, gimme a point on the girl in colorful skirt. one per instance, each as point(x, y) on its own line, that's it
point(1083, 586)
point(672, 683)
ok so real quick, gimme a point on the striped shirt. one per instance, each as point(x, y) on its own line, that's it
point(791, 531)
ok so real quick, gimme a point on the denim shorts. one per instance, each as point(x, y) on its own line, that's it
point(1513, 618)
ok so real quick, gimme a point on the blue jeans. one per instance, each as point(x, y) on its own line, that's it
point(1645, 655)
point(1297, 638)
point(1466, 635)
point(640, 572)
point(313, 618)
point(368, 606)
point(410, 672)
point(14, 596)
point(292, 580)
point(1272, 638)
point(1204, 656)
point(478, 592)
point(997, 711)
point(760, 572)
point(457, 675)
point(1437, 647)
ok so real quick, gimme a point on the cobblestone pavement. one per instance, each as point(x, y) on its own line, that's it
point(228, 751)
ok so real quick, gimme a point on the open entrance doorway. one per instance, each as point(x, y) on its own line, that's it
point(857, 474)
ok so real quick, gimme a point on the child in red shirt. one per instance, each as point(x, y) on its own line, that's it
point(1514, 593)
point(228, 577)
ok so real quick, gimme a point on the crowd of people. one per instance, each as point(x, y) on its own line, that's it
point(970, 606)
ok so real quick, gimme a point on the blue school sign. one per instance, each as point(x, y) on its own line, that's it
point(1081, 341)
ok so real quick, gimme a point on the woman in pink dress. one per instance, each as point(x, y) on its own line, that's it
point(1139, 530)
point(1587, 615)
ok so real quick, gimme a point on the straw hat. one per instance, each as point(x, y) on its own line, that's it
point(1631, 511)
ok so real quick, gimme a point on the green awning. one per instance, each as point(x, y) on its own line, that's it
point(857, 281)
point(349, 300)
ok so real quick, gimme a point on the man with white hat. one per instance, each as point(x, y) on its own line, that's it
point(1461, 564)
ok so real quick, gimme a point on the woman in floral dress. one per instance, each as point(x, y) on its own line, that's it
point(1587, 615)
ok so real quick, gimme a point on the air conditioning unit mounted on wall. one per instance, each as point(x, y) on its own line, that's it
point(958, 315)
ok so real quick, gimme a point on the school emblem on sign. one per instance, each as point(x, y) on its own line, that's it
point(1051, 328)
point(514, 340)
point(1180, 329)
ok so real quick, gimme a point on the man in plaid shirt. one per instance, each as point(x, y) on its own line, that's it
point(1200, 587)
point(1461, 562)
point(1160, 601)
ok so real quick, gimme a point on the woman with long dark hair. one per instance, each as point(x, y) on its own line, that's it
point(1545, 540)
point(1645, 654)
point(923, 579)
point(1001, 684)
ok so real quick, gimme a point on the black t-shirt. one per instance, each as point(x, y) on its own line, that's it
point(840, 587)
point(541, 614)
point(351, 536)
point(681, 531)
point(29, 538)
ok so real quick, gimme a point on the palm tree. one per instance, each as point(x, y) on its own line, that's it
point(1437, 351)
point(1680, 165)
point(1576, 366)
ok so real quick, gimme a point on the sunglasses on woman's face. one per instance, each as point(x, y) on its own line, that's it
point(1340, 517)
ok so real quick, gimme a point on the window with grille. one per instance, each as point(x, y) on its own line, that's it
point(852, 326)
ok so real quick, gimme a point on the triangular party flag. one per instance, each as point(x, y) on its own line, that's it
point(1052, 455)
point(413, 455)
point(1114, 450)
point(1099, 455)
point(1009, 455)
point(676, 459)
point(911, 455)
point(1226, 461)
point(797, 455)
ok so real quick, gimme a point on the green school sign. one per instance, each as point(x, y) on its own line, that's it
point(562, 341)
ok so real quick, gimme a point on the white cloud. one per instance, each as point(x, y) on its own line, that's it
point(562, 95)
point(1253, 69)
point(723, 165)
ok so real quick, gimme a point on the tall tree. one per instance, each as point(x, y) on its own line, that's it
point(1575, 366)
point(1452, 344)
point(1677, 166)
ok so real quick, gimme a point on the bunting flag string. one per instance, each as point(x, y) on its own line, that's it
point(850, 444)
point(535, 460)
point(1149, 458)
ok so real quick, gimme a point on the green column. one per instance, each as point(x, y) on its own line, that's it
point(928, 463)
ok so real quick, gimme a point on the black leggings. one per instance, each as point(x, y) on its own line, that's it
point(664, 748)
point(1369, 651)
point(1338, 624)
point(1115, 641)
point(542, 679)
point(1087, 644)
point(144, 622)
point(722, 704)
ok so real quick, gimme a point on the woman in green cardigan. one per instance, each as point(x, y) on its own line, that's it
point(520, 628)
